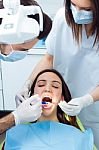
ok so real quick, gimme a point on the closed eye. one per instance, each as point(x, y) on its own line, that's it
point(55, 86)
point(41, 85)
point(87, 9)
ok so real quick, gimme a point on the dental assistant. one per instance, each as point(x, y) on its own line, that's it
point(14, 52)
point(73, 50)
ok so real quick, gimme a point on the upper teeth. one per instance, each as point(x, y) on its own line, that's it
point(47, 96)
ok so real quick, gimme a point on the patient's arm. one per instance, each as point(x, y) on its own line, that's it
point(6, 122)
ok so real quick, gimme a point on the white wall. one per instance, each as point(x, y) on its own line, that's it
point(51, 6)
point(14, 75)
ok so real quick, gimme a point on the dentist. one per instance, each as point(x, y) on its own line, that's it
point(14, 52)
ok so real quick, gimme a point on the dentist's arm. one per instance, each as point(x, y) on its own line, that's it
point(74, 106)
point(45, 63)
point(28, 111)
point(6, 122)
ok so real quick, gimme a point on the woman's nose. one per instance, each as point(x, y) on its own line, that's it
point(48, 88)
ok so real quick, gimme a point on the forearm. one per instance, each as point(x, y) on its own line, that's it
point(95, 94)
point(6, 122)
point(45, 63)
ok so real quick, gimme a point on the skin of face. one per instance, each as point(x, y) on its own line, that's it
point(49, 85)
point(82, 4)
point(6, 48)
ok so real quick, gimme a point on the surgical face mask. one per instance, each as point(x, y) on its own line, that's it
point(82, 16)
point(13, 56)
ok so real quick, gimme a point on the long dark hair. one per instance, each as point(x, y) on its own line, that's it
point(67, 97)
point(77, 29)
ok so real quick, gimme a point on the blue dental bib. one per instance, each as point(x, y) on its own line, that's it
point(48, 135)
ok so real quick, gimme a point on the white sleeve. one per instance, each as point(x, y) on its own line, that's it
point(51, 39)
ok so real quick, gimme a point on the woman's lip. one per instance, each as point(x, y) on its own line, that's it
point(46, 107)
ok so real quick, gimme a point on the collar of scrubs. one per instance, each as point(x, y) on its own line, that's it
point(48, 135)
point(87, 42)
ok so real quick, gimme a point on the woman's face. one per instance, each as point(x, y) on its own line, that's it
point(82, 4)
point(49, 88)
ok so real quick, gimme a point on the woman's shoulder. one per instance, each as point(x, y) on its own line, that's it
point(60, 13)
point(60, 17)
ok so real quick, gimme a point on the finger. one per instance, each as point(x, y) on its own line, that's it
point(26, 95)
point(66, 110)
point(73, 103)
point(63, 103)
point(30, 102)
point(68, 105)
point(17, 103)
point(36, 106)
point(19, 98)
point(65, 106)
point(34, 99)
point(70, 112)
point(38, 109)
point(73, 113)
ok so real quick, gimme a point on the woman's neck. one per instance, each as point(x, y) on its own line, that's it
point(45, 118)
point(88, 29)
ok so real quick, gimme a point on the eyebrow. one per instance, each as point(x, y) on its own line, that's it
point(54, 81)
point(81, 7)
point(41, 80)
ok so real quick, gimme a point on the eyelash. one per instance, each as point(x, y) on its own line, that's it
point(40, 85)
point(88, 9)
point(52, 86)
point(55, 87)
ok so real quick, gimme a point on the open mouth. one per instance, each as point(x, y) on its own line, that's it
point(47, 99)
point(46, 102)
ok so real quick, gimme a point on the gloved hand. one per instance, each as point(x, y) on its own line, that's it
point(29, 110)
point(23, 93)
point(74, 106)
